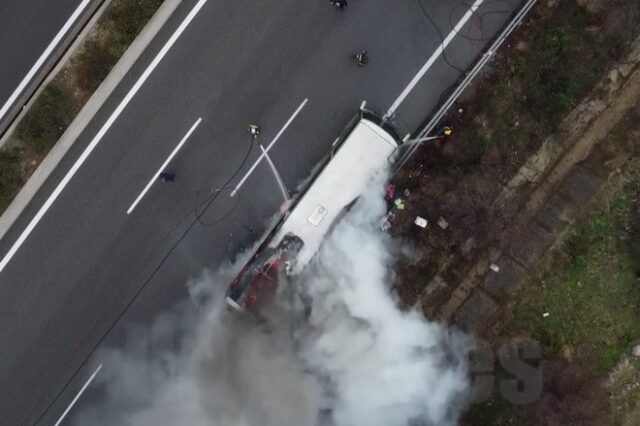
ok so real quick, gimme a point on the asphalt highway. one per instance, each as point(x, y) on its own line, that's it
point(31, 31)
point(87, 264)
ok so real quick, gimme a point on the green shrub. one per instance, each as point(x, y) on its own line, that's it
point(126, 19)
point(94, 63)
point(120, 25)
point(47, 119)
point(11, 175)
point(591, 291)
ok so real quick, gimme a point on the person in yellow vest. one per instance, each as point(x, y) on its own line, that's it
point(445, 132)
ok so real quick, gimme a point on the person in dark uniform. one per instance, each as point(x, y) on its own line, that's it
point(339, 4)
point(167, 176)
point(362, 58)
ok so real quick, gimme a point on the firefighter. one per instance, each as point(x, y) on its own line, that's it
point(339, 4)
point(362, 58)
point(254, 130)
point(446, 132)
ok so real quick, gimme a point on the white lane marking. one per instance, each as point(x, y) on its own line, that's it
point(246, 176)
point(96, 139)
point(86, 385)
point(164, 165)
point(281, 185)
point(433, 58)
point(43, 57)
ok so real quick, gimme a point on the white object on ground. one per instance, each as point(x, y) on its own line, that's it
point(546, 314)
point(421, 222)
point(494, 267)
point(385, 222)
point(442, 223)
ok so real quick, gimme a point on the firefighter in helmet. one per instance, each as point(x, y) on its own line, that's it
point(254, 130)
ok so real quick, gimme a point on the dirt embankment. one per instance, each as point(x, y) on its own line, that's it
point(550, 134)
point(511, 151)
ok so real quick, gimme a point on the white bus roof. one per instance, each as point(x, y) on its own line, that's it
point(365, 151)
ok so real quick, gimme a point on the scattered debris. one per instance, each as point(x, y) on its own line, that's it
point(385, 223)
point(442, 223)
point(421, 222)
point(399, 203)
point(390, 192)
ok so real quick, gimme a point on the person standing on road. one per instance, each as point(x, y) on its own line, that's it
point(254, 130)
point(339, 4)
point(361, 58)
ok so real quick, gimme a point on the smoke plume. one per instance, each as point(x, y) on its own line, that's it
point(335, 351)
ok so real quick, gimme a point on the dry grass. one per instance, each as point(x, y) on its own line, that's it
point(61, 100)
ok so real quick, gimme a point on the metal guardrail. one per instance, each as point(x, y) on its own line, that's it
point(49, 68)
point(444, 108)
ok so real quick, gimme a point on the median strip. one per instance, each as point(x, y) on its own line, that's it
point(99, 135)
point(68, 94)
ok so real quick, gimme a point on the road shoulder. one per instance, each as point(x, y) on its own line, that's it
point(86, 114)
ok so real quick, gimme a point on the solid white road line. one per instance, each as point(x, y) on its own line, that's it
point(281, 185)
point(43, 57)
point(164, 165)
point(433, 58)
point(86, 385)
point(98, 137)
point(246, 176)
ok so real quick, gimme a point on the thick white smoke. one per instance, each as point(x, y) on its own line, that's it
point(336, 351)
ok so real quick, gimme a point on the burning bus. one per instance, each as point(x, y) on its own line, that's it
point(364, 148)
